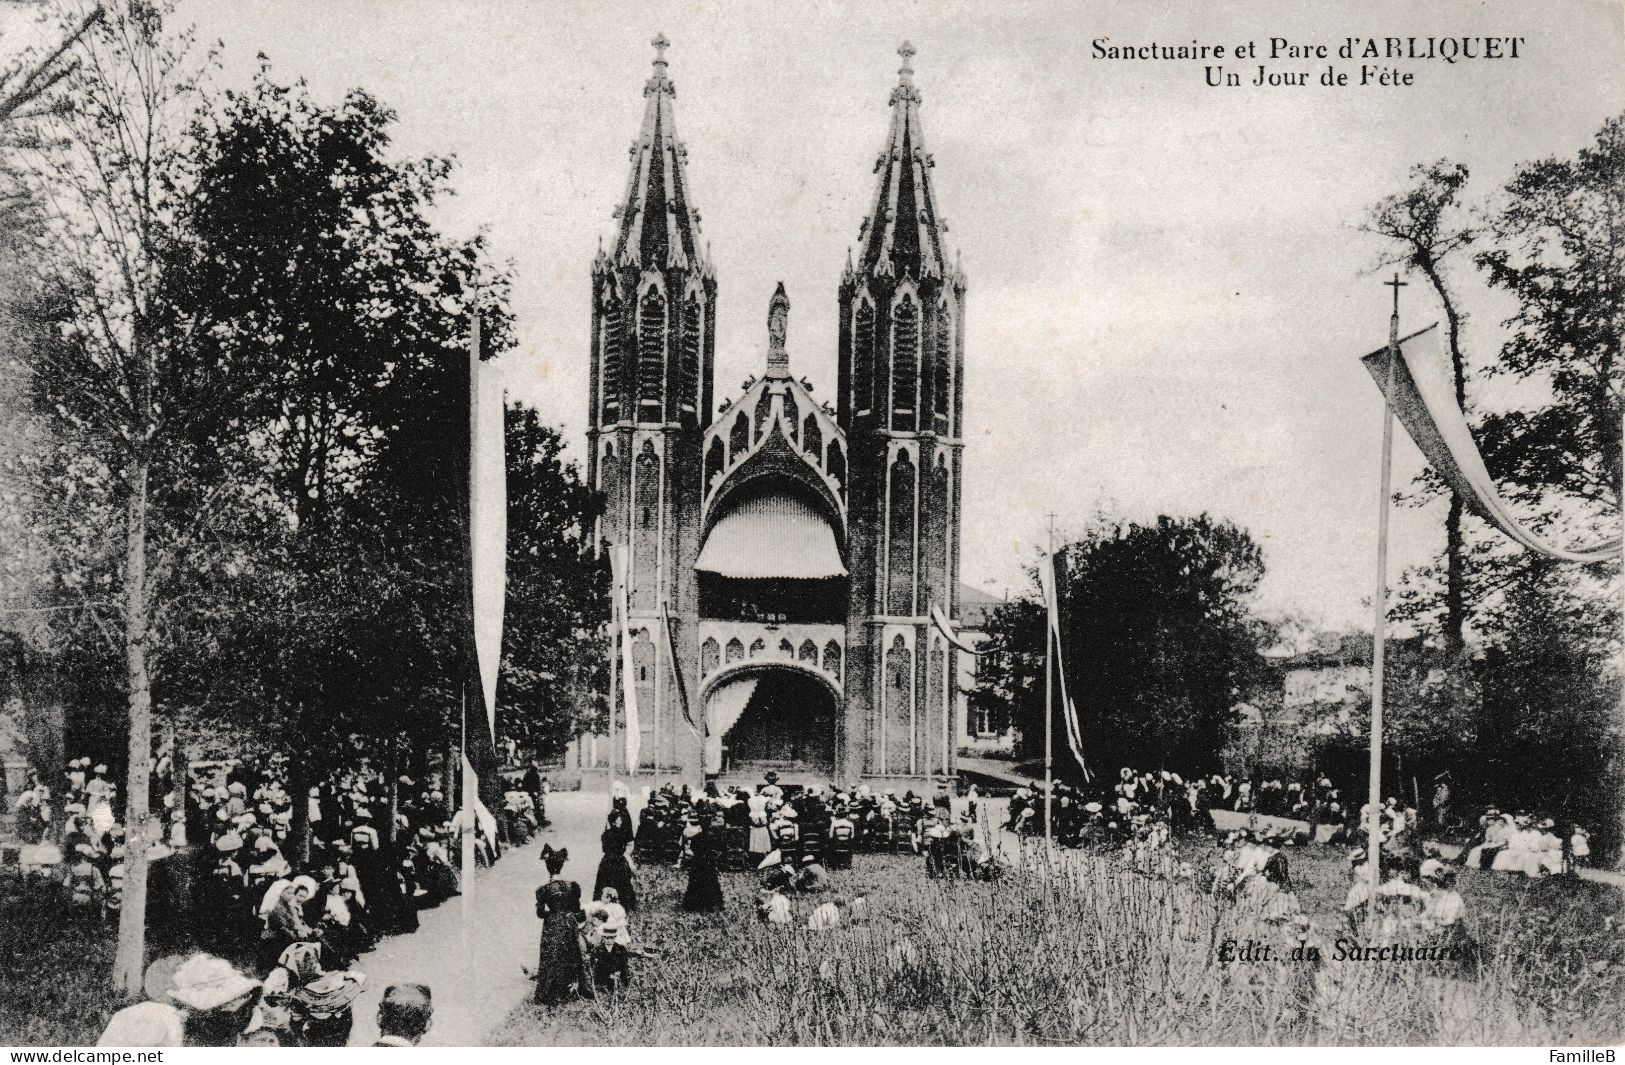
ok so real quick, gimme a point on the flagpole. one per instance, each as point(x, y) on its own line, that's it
point(1049, 710)
point(1380, 607)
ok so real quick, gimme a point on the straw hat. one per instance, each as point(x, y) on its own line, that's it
point(145, 1024)
point(205, 982)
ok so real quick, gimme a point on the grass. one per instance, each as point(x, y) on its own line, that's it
point(1086, 952)
point(1089, 952)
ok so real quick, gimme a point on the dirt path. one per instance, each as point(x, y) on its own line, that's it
point(475, 967)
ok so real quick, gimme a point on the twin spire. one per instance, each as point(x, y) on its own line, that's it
point(903, 235)
point(659, 228)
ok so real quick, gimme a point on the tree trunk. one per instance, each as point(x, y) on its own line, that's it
point(1455, 578)
point(130, 960)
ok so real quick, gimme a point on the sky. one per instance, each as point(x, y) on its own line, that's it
point(1168, 289)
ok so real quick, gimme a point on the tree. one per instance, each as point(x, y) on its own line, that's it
point(1423, 225)
point(1156, 639)
point(102, 169)
point(309, 274)
point(554, 654)
point(1560, 250)
point(28, 83)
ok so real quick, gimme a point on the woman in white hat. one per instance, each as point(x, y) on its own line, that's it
point(215, 999)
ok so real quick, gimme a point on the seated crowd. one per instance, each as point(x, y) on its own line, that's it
point(376, 854)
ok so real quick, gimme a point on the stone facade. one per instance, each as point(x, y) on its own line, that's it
point(785, 553)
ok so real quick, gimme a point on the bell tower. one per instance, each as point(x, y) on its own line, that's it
point(901, 360)
point(653, 317)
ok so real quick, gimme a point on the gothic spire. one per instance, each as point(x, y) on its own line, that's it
point(903, 234)
point(659, 227)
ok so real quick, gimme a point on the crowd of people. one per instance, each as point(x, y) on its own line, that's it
point(206, 1001)
point(377, 850)
point(289, 911)
point(789, 837)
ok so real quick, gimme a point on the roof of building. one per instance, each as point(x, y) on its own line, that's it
point(975, 606)
point(659, 227)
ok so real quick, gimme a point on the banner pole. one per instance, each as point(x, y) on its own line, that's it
point(1049, 710)
point(1380, 609)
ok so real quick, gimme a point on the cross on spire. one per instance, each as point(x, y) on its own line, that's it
point(660, 45)
point(907, 51)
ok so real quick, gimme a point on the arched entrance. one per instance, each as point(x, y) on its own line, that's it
point(778, 718)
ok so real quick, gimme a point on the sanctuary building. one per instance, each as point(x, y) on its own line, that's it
point(784, 555)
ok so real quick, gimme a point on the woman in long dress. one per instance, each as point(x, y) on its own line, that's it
point(560, 965)
point(614, 871)
point(704, 894)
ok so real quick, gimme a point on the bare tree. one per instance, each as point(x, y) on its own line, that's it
point(1423, 224)
point(101, 167)
point(26, 84)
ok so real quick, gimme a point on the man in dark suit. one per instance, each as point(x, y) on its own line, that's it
point(404, 1016)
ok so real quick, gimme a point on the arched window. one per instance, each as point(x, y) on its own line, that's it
point(837, 465)
point(898, 695)
point(900, 541)
point(935, 708)
point(739, 437)
point(757, 647)
point(812, 437)
point(791, 415)
point(863, 358)
point(764, 407)
point(651, 355)
point(609, 483)
point(646, 522)
point(905, 365)
point(808, 652)
point(787, 650)
point(942, 369)
point(735, 651)
point(832, 659)
point(688, 363)
point(610, 363)
point(714, 461)
point(934, 538)
point(710, 654)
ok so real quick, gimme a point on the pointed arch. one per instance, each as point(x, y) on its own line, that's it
point(739, 437)
point(792, 414)
point(610, 361)
point(812, 437)
point(735, 651)
point(764, 409)
point(808, 652)
point(936, 707)
point(710, 656)
point(836, 465)
point(863, 356)
point(832, 659)
point(688, 361)
point(898, 697)
point(651, 354)
point(646, 528)
point(905, 364)
point(715, 460)
point(757, 646)
point(942, 366)
point(786, 649)
point(900, 538)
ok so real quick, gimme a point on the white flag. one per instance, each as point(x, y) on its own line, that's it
point(620, 563)
point(1424, 400)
